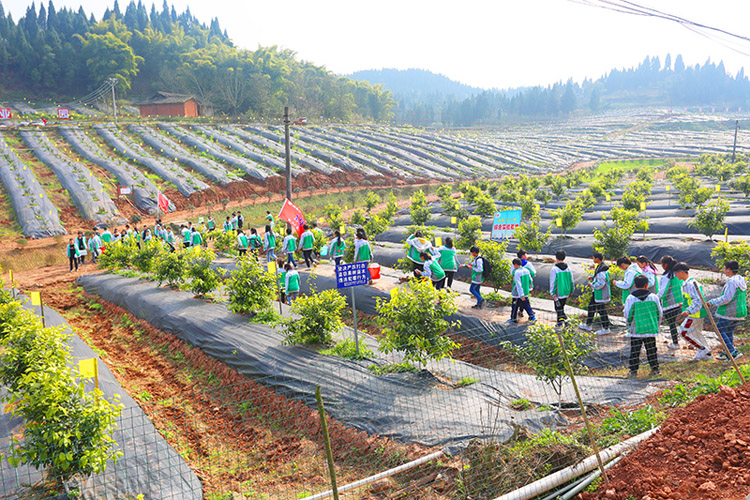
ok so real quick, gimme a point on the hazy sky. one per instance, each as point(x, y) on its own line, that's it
point(487, 44)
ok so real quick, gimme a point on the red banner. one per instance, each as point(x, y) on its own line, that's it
point(293, 215)
point(5, 114)
point(163, 203)
point(63, 113)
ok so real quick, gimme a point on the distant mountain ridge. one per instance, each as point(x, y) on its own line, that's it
point(416, 82)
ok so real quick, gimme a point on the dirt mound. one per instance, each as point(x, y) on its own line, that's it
point(702, 452)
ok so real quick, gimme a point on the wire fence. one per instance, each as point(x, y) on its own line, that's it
point(500, 415)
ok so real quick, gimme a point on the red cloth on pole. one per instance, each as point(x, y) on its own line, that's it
point(163, 203)
point(293, 215)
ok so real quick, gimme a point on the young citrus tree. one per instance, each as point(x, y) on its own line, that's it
point(710, 217)
point(469, 232)
point(203, 279)
point(494, 252)
point(170, 267)
point(570, 215)
point(420, 212)
point(316, 317)
point(371, 201)
point(530, 236)
point(413, 322)
point(251, 287)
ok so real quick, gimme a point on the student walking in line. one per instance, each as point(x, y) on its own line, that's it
point(227, 226)
point(560, 285)
point(643, 313)
point(670, 294)
point(732, 307)
point(626, 285)
point(187, 236)
point(477, 276)
point(521, 254)
point(146, 234)
point(81, 244)
point(522, 285)
point(337, 248)
point(281, 274)
point(210, 224)
point(95, 245)
point(362, 249)
point(601, 294)
point(195, 238)
point(448, 261)
point(254, 241)
point(71, 250)
point(417, 244)
point(269, 244)
point(269, 219)
point(240, 220)
point(648, 269)
point(289, 246)
point(432, 270)
point(693, 312)
point(106, 237)
point(291, 283)
point(242, 243)
point(307, 242)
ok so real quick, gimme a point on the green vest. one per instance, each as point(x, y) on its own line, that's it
point(254, 241)
point(106, 236)
point(437, 271)
point(448, 259)
point(243, 241)
point(605, 292)
point(413, 253)
point(211, 225)
point(293, 283)
point(364, 253)
point(689, 300)
point(563, 283)
point(737, 307)
point(292, 245)
point(307, 241)
point(197, 238)
point(626, 292)
point(673, 294)
point(186, 234)
point(644, 315)
point(271, 241)
point(337, 249)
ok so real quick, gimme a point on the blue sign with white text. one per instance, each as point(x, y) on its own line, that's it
point(352, 275)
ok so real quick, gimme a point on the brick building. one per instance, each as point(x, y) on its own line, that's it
point(169, 104)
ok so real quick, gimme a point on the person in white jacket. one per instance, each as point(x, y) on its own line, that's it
point(561, 285)
point(732, 307)
point(626, 285)
point(693, 312)
point(670, 294)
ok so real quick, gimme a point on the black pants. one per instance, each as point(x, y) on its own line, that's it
point(601, 308)
point(439, 284)
point(186, 244)
point(73, 262)
point(337, 260)
point(307, 254)
point(82, 259)
point(635, 352)
point(523, 304)
point(242, 251)
point(417, 267)
point(560, 309)
point(449, 278)
point(671, 316)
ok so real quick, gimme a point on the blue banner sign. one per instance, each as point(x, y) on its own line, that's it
point(352, 275)
point(505, 223)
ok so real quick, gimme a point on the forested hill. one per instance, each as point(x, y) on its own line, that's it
point(64, 54)
point(651, 83)
point(417, 85)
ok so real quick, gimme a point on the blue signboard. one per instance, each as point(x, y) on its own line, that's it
point(352, 275)
point(505, 223)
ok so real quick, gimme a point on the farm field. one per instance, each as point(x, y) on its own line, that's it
point(220, 377)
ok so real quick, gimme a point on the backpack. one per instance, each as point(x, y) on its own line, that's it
point(486, 268)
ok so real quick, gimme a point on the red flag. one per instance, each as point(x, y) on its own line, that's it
point(293, 215)
point(163, 203)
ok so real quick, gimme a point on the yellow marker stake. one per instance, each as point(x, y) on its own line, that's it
point(726, 234)
point(89, 368)
point(36, 300)
point(272, 267)
point(718, 187)
point(608, 197)
point(453, 220)
point(643, 206)
point(669, 188)
point(438, 241)
point(558, 221)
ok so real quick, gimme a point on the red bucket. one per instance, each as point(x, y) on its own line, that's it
point(375, 271)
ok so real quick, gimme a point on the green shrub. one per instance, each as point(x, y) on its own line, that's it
point(251, 287)
point(494, 252)
point(333, 216)
point(226, 241)
point(203, 279)
point(710, 217)
point(469, 232)
point(371, 200)
point(145, 256)
point(319, 318)
point(347, 349)
point(733, 250)
point(413, 322)
point(170, 267)
point(420, 212)
point(118, 255)
point(570, 215)
point(530, 237)
point(618, 425)
point(483, 205)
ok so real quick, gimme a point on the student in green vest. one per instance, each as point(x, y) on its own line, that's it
point(289, 246)
point(210, 224)
point(337, 248)
point(269, 219)
point(186, 236)
point(601, 294)
point(416, 244)
point(106, 237)
point(227, 226)
point(648, 269)
point(522, 285)
point(521, 254)
point(306, 243)
point(627, 285)
point(477, 276)
point(448, 260)
point(242, 242)
point(732, 305)
point(670, 294)
point(560, 285)
point(82, 244)
point(195, 238)
point(291, 283)
point(281, 276)
point(643, 314)
point(362, 249)
point(71, 250)
point(432, 270)
point(693, 312)
point(254, 241)
point(269, 244)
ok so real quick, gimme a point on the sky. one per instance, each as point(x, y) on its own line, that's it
point(487, 44)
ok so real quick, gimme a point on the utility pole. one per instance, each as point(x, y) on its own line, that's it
point(288, 151)
point(734, 148)
point(113, 84)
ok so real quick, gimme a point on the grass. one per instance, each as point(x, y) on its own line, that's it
point(346, 349)
point(9, 227)
point(34, 258)
point(466, 381)
point(629, 165)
